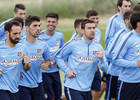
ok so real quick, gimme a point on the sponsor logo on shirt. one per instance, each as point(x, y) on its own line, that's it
point(94, 53)
point(84, 59)
point(57, 42)
point(39, 51)
point(34, 58)
point(54, 49)
point(137, 52)
point(19, 54)
point(11, 62)
point(121, 26)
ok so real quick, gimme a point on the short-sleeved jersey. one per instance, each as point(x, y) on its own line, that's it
point(11, 62)
point(55, 42)
point(38, 50)
point(114, 24)
point(82, 58)
point(126, 56)
point(2, 30)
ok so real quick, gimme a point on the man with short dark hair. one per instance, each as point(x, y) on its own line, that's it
point(116, 22)
point(93, 14)
point(19, 11)
point(96, 84)
point(38, 50)
point(55, 40)
point(83, 57)
point(127, 57)
point(113, 70)
point(136, 7)
point(77, 26)
point(13, 58)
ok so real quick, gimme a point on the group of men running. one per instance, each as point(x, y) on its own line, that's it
point(31, 58)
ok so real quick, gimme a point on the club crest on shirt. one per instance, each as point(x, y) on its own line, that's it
point(94, 53)
point(57, 42)
point(39, 51)
point(19, 54)
point(137, 52)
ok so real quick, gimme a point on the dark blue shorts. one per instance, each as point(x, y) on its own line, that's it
point(52, 85)
point(72, 94)
point(111, 89)
point(96, 84)
point(26, 93)
point(128, 91)
point(40, 92)
point(7, 95)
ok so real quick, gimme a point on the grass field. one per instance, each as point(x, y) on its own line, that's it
point(66, 27)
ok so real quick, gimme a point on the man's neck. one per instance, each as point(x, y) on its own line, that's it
point(78, 36)
point(30, 39)
point(49, 33)
point(121, 14)
point(137, 30)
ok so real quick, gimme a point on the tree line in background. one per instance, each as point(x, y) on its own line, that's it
point(65, 8)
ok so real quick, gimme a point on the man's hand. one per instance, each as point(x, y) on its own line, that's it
point(26, 59)
point(71, 74)
point(20, 73)
point(0, 71)
point(100, 54)
point(43, 65)
point(27, 65)
point(57, 66)
point(51, 62)
point(138, 63)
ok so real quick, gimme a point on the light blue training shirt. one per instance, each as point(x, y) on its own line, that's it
point(55, 42)
point(11, 63)
point(38, 50)
point(126, 56)
point(114, 24)
point(82, 58)
point(112, 47)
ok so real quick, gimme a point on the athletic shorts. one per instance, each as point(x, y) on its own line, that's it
point(96, 84)
point(40, 92)
point(72, 94)
point(26, 93)
point(111, 89)
point(7, 95)
point(52, 85)
point(128, 91)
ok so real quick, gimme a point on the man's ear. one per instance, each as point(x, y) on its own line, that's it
point(7, 33)
point(126, 21)
point(26, 27)
point(76, 29)
point(15, 14)
point(138, 24)
point(83, 31)
point(119, 8)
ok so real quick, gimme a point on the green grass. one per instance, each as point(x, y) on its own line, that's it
point(65, 8)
